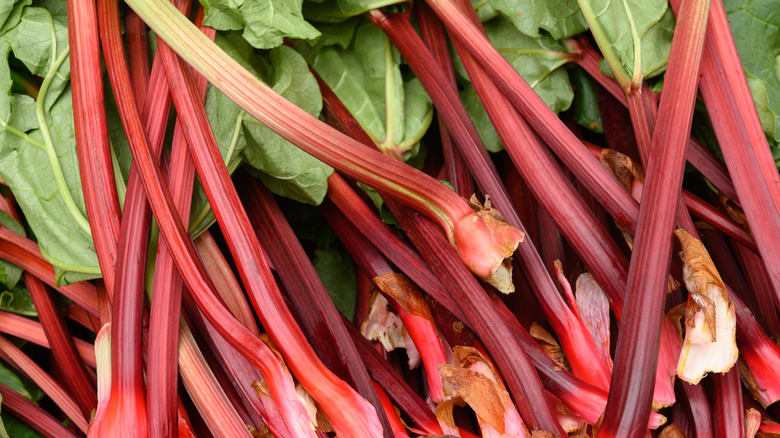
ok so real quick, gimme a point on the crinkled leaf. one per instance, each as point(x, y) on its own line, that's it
point(538, 60)
point(265, 23)
point(9, 272)
point(340, 10)
point(628, 24)
point(11, 13)
point(585, 105)
point(485, 10)
point(16, 429)
point(756, 27)
point(283, 168)
point(24, 163)
point(361, 76)
point(334, 267)
point(561, 18)
point(11, 380)
point(17, 300)
point(761, 98)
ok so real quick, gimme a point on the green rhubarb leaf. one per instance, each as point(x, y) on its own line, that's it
point(3, 432)
point(340, 10)
point(15, 428)
point(17, 300)
point(761, 98)
point(283, 168)
point(395, 111)
point(334, 267)
point(9, 272)
point(11, 380)
point(586, 104)
point(756, 27)
point(635, 35)
point(561, 18)
point(539, 62)
point(265, 23)
point(38, 156)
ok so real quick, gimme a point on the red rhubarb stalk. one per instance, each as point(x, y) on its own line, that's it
point(636, 354)
point(91, 130)
point(31, 331)
point(35, 417)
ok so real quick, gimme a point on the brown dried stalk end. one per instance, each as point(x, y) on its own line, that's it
point(474, 380)
point(405, 292)
point(385, 326)
point(485, 243)
point(752, 422)
point(548, 343)
point(710, 319)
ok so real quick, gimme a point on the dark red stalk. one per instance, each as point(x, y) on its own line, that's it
point(585, 399)
point(729, 412)
point(16, 358)
point(167, 288)
point(756, 186)
point(701, 158)
point(320, 318)
point(137, 55)
point(32, 331)
point(25, 253)
point(79, 382)
point(708, 213)
point(636, 353)
point(432, 33)
point(699, 408)
point(720, 48)
point(81, 316)
point(91, 130)
point(552, 189)
point(759, 288)
point(32, 415)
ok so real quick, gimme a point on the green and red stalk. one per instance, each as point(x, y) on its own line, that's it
point(16, 358)
point(432, 32)
point(31, 331)
point(729, 412)
point(26, 254)
point(636, 354)
point(32, 415)
point(167, 287)
point(315, 308)
point(450, 211)
point(79, 382)
point(91, 131)
point(137, 55)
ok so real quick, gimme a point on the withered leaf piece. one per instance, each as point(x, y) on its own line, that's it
point(405, 292)
point(671, 431)
point(445, 416)
point(386, 327)
point(623, 167)
point(478, 392)
point(710, 319)
point(548, 344)
point(317, 417)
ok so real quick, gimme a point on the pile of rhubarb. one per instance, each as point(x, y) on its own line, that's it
point(375, 218)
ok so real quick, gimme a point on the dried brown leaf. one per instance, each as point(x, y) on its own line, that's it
point(548, 343)
point(405, 292)
point(479, 392)
point(671, 431)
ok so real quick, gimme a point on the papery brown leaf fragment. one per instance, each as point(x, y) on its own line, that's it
point(671, 431)
point(710, 319)
point(623, 167)
point(478, 392)
point(444, 416)
point(548, 343)
point(316, 415)
point(734, 212)
point(384, 326)
point(405, 292)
